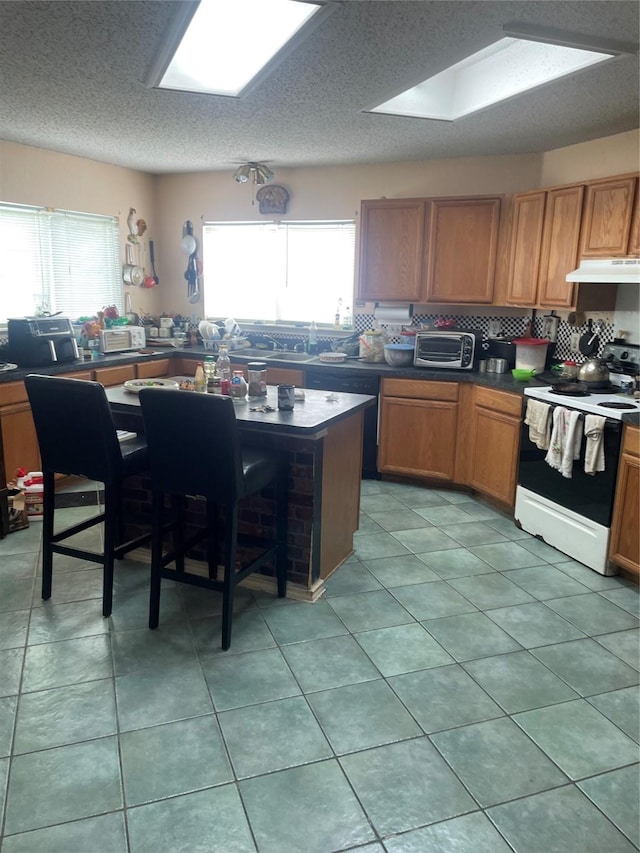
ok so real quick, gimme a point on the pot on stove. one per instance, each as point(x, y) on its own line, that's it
point(595, 373)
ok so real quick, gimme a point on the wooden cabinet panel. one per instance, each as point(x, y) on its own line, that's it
point(625, 536)
point(495, 443)
point(559, 252)
point(19, 438)
point(460, 252)
point(526, 240)
point(634, 236)
point(12, 392)
point(418, 438)
point(109, 376)
point(391, 249)
point(607, 217)
point(284, 376)
point(418, 389)
point(154, 369)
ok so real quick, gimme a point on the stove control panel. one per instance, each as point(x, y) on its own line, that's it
point(622, 358)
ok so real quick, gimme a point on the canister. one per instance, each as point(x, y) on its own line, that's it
point(257, 380)
point(286, 397)
point(531, 353)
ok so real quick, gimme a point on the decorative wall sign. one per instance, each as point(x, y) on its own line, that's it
point(272, 199)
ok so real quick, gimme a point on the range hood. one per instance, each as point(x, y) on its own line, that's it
point(608, 271)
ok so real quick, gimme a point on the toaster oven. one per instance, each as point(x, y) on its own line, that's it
point(448, 349)
point(122, 339)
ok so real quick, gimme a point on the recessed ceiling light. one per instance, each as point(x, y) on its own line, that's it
point(228, 42)
point(525, 59)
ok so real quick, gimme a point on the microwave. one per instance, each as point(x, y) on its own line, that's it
point(448, 349)
point(122, 339)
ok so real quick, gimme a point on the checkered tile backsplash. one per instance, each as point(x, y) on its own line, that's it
point(509, 327)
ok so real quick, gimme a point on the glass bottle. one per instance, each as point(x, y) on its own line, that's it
point(223, 364)
point(313, 338)
point(199, 382)
point(238, 387)
point(209, 368)
point(257, 375)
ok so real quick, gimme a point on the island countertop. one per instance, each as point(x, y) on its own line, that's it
point(309, 417)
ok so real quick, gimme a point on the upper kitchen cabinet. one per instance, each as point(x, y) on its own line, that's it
point(526, 240)
point(559, 251)
point(429, 250)
point(460, 251)
point(634, 236)
point(391, 249)
point(608, 214)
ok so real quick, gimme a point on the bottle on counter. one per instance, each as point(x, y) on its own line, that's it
point(238, 387)
point(313, 338)
point(199, 381)
point(223, 364)
point(209, 368)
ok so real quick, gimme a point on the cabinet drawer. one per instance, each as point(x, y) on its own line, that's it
point(631, 443)
point(153, 369)
point(12, 392)
point(500, 401)
point(109, 376)
point(417, 389)
point(80, 374)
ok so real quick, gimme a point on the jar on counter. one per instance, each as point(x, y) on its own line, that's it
point(257, 376)
point(371, 346)
point(238, 387)
point(569, 369)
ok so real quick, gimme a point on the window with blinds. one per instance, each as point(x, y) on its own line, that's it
point(285, 271)
point(56, 260)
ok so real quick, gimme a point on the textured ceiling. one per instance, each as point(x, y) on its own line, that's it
point(71, 80)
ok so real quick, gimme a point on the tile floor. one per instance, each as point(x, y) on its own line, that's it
point(461, 687)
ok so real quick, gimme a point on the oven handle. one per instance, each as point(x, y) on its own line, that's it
point(609, 423)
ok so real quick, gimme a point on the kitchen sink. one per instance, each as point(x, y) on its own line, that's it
point(290, 356)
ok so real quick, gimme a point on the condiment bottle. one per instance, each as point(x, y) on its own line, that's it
point(238, 387)
point(199, 381)
point(223, 364)
point(209, 368)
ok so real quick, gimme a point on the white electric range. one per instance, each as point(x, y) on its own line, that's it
point(573, 514)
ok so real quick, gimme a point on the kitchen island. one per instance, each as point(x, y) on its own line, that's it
point(322, 439)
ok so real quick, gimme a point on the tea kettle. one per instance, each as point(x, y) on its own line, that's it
point(594, 372)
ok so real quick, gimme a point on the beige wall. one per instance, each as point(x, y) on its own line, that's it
point(49, 179)
point(37, 176)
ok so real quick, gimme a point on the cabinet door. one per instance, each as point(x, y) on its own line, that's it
point(19, 438)
point(607, 218)
point(153, 369)
point(283, 376)
point(496, 440)
point(391, 248)
point(634, 236)
point(560, 239)
point(418, 438)
point(110, 376)
point(625, 540)
point(460, 254)
point(526, 240)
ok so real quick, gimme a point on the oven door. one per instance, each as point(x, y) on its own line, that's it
point(586, 495)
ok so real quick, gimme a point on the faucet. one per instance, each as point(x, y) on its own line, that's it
point(274, 344)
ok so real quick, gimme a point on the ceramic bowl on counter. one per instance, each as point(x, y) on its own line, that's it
point(399, 355)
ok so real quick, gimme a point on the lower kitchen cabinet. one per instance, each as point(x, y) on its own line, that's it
point(495, 444)
point(624, 549)
point(110, 376)
point(154, 369)
point(418, 425)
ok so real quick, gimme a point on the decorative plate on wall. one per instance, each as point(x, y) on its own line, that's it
point(272, 199)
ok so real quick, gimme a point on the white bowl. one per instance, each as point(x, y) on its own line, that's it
point(399, 355)
point(333, 357)
point(133, 386)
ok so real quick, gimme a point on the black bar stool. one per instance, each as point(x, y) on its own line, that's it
point(77, 436)
point(195, 450)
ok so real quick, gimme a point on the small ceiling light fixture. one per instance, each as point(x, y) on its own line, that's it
point(225, 48)
point(261, 173)
point(526, 58)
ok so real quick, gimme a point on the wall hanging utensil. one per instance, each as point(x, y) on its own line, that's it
point(191, 273)
point(589, 342)
point(131, 273)
point(152, 258)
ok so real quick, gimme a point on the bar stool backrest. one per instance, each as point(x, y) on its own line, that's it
point(194, 444)
point(75, 427)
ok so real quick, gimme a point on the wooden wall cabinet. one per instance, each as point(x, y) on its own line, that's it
point(526, 240)
point(608, 214)
point(460, 250)
point(418, 424)
point(429, 250)
point(624, 549)
point(392, 233)
point(495, 443)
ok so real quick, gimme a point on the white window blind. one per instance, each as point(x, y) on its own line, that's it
point(57, 261)
point(287, 271)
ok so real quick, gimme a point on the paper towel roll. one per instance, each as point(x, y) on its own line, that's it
point(392, 315)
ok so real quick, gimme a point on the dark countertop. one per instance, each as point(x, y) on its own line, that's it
point(309, 418)
point(352, 367)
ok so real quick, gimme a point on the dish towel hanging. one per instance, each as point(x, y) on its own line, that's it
point(594, 452)
point(538, 419)
point(566, 435)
